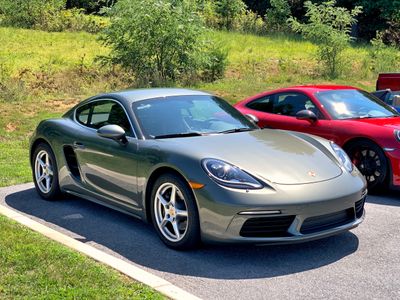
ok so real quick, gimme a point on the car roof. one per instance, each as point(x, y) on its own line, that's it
point(133, 95)
point(320, 87)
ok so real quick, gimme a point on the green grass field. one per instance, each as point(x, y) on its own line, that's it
point(55, 70)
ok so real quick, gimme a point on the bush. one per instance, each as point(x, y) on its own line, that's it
point(29, 14)
point(277, 16)
point(229, 11)
point(329, 27)
point(250, 22)
point(383, 58)
point(159, 41)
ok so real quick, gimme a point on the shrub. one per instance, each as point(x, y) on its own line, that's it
point(329, 27)
point(159, 41)
point(29, 14)
point(277, 16)
point(229, 11)
point(382, 58)
point(250, 22)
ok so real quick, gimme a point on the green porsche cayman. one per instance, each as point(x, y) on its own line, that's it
point(197, 169)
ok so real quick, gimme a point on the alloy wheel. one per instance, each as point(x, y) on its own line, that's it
point(44, 174)
point(171, 212)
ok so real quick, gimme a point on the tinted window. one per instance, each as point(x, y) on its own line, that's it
point(82, 114)
point(101, 113)
point(264, 104)
point(289, 104)
point(352, 104)
point(184, 114)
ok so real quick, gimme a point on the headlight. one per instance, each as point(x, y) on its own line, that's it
point(229, 175)
point(343, 157)
point(397, 134)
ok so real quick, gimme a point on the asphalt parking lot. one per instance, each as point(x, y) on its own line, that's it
point(363, 263)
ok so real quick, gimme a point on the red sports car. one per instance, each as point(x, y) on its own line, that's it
point(367, 128)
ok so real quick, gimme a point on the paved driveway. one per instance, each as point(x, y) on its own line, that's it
point(364, 263)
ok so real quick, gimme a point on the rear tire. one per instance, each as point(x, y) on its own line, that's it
point(174, 213)
point(370, 159)
point(45, 172)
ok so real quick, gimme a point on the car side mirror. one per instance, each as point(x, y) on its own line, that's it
point(306, 114)
point(252, 118)
point(114, 132)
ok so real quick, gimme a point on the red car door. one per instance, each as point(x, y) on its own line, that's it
point(279, 111)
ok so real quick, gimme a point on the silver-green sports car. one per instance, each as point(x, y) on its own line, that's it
point(197, 169)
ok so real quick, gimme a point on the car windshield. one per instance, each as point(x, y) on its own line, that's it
point(354, 104)
point(180, 116)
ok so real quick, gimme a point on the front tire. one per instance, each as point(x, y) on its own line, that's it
point(45, 172)
point(174, 213)
point(370, 159)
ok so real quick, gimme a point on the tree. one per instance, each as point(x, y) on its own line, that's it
point(158, 40)
point(328, 26)
point(277, 16)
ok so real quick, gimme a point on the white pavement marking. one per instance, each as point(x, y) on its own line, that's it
point(157, 283)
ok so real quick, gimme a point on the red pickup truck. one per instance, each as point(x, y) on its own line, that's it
point(388, 81)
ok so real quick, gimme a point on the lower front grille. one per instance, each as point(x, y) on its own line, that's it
point(359, 206)
point(274, 226)
point(329, 221)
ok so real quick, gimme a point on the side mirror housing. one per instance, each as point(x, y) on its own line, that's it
point(252, 118)
point(114, 132)
point(306, 115)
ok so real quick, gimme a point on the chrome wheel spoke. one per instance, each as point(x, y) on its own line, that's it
point(176, 229)
point(172, 199)
point(162, 200)
point(181, 213)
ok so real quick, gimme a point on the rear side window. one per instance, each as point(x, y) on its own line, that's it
point(264, 104)
point(82, 114)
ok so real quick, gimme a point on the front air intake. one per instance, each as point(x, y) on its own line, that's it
point(276, 226)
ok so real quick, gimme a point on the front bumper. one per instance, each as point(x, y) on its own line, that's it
point(305, 212)
point(394, 159)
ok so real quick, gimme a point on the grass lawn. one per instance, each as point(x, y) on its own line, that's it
point(56, 70)
point(34, 267)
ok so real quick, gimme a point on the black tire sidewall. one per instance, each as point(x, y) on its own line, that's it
point(192, 236)
point(55, 187)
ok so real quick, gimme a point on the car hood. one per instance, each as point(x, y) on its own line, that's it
point(277, 156)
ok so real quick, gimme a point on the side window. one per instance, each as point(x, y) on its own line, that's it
point(264, 104)
point(82, 114)
point(289, 104)
point(101, 113)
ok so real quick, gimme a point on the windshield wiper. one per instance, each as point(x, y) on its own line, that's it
point(177, 135)
point(237, 130)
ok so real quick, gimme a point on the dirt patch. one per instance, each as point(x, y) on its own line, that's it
point(10, 127)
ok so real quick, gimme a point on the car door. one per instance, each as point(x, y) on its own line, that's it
point(279, 111)
point(108, 167)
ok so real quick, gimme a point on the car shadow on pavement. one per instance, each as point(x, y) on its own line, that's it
point(136, 241)
point(390, 197)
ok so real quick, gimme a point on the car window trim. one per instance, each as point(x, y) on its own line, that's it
point(91, 111)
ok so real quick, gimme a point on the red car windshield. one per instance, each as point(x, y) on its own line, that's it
point(354, 104)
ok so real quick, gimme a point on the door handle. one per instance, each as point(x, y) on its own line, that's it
point(78, 145)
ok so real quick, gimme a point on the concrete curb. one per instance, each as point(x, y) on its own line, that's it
point(157, 283)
